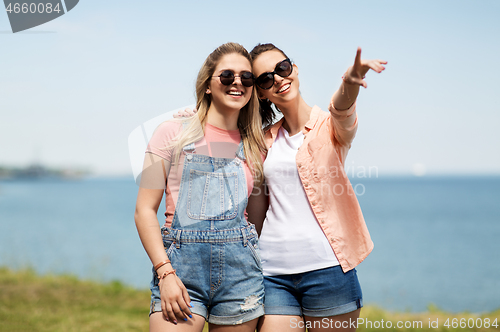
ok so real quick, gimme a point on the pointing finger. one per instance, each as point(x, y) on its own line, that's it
point(357, 60)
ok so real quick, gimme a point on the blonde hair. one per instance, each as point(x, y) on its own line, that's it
point(249, 119)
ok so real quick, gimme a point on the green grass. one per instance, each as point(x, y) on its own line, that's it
point(63, 303)
point(433, 314)
point(29, 302)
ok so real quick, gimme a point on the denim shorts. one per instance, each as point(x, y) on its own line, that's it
point(221, 270)
point(319, 293)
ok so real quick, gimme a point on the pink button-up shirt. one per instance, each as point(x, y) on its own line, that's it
point(320, 163)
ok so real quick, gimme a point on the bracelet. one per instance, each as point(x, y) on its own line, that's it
point(157, 266)
point(166, 273)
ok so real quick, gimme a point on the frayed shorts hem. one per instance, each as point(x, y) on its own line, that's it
point(238, 319)
point(200, 310)
point(195, 309)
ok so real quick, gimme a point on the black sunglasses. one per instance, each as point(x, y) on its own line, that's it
point(227, 78)
point(283, 68)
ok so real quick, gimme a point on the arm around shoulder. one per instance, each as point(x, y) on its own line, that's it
point(258, 202)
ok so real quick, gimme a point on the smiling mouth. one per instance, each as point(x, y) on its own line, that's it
point(284, 88)
point(235, 93)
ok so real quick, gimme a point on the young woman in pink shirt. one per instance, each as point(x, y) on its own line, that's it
point(205, 261)
point(314, 234)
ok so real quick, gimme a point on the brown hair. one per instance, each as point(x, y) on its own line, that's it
point(267, 112)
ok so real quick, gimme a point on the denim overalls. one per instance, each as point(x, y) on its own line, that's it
point(210, 243)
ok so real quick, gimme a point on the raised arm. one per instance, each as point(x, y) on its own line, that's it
point(353, 78)
point(343, 108)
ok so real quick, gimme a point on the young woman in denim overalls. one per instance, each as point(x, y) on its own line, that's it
point(314, 234)
point(205, 259)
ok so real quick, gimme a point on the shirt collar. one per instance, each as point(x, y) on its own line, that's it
point(275, 127)
point(313, 118)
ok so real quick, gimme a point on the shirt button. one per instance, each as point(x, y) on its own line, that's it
point(306, 184)
point(331, 239)
point(313, 203)
point(189, 157)
point(237, 162)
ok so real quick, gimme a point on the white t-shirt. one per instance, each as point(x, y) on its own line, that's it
point(291, 240)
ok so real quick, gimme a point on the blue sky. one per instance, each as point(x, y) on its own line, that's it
point(73, 89)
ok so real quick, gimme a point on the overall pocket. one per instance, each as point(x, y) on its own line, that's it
point(252, 243)
point(212, 196)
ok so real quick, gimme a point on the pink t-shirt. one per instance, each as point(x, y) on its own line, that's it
point(217, 142)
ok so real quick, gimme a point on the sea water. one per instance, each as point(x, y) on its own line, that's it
point(436, 238)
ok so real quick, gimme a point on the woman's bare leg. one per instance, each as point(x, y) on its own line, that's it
point(345, 323)
point(245, 327)
point(158, 323)
point(281, 323)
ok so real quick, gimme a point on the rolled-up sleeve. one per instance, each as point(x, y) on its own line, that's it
point(344, 126)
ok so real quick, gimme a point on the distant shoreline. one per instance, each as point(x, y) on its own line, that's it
point(13, 173)
point(37, 171)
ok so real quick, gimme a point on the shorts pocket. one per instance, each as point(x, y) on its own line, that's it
point(212, 196)
point(168, 245)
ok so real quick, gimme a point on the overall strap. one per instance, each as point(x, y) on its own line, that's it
point(240, 153)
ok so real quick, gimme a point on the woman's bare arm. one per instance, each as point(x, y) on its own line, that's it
point(346, 95)
point(174, 296)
